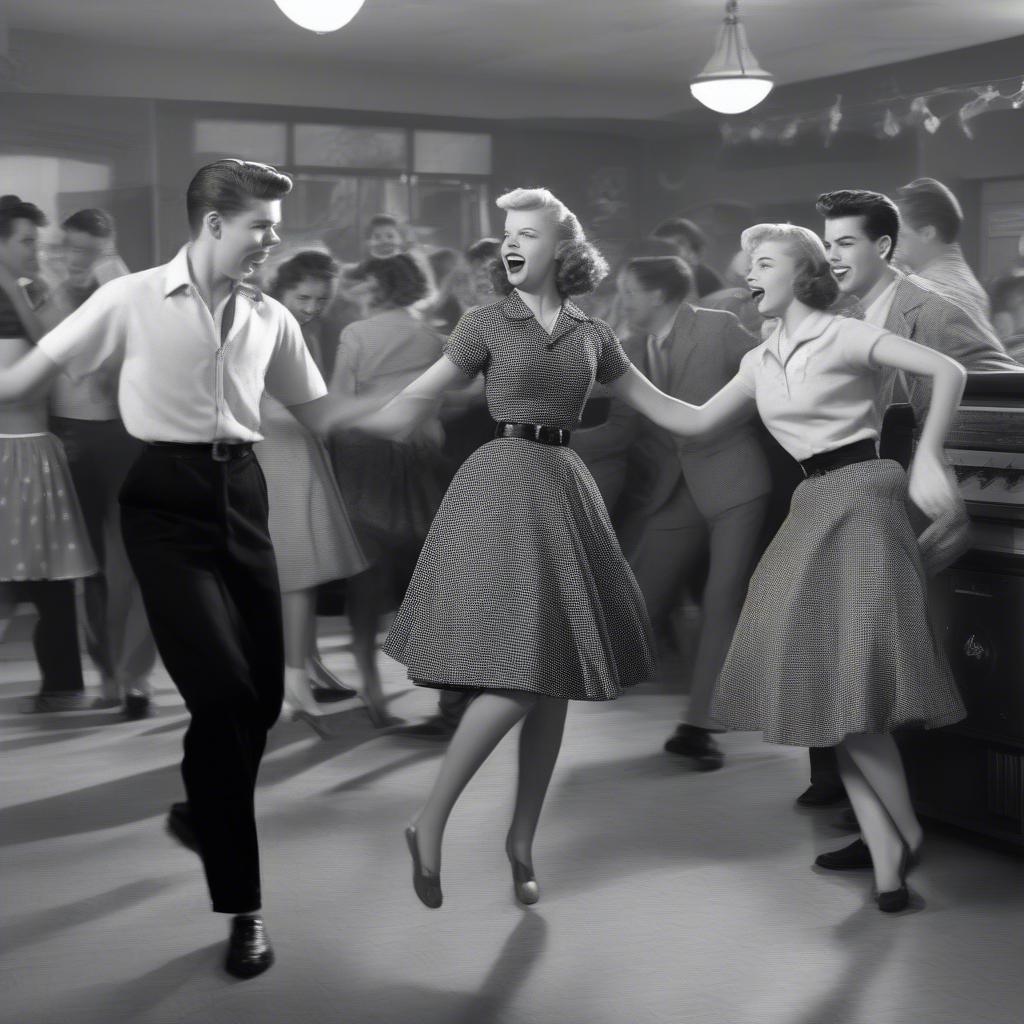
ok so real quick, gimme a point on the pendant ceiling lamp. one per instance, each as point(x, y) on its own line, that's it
point(320, 15)
point(732, 81)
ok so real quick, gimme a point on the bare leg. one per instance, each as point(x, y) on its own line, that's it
point(539, 744)
point(298, 608)
point(485, 722)
point(880, 834)
point(878, 758)
point(364, 602)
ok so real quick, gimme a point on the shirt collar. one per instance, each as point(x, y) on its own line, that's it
point(812, 327)
point(515, 309)
point(177, 276)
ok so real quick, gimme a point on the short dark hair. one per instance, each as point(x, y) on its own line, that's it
point(383, 220)
point(400, 280)
point(443, 262)
point(310, 263)
point(14, 208)
point(229, 185)
point(926, 202)
point(879, 213)
point(681, 228)
point(95, 222)
point(483, 250)
point(668, 274)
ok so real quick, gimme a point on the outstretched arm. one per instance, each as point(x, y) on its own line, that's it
point(28, 375)
point(727, 407)
point(929, 485)
point(397, 417)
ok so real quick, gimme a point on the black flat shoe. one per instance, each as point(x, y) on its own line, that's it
point(895, 900)
point(179, 826)
point(822, 794)
point(332, 695)
point(435, 728)
point(523, 880)
point(848, 858)
point(426, 883)
point(857, 855)
point(697, 745)
point(249, 949)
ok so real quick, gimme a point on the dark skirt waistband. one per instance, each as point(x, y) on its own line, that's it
point(534, 432)
point(859, 451)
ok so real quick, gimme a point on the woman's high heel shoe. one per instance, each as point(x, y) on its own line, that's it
point(895, 900)
point(523, 880)
point(426, 883)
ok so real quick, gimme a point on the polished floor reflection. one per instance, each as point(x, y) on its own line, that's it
point(668, 897)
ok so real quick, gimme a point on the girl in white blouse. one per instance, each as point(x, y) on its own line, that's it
point(834, 645)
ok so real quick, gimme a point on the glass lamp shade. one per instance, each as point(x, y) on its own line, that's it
point(320, 15)
point(732, 81)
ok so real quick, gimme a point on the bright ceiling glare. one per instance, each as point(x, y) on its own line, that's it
point(320, 15)
point(732, 81)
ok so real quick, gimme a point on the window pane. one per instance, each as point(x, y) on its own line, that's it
point(451, 214)
point(452, 153)
point(264, 141)
point(331, 211)
point(332, 145)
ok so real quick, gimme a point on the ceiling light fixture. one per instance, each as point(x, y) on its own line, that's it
point(320, 15)
point(732, 81)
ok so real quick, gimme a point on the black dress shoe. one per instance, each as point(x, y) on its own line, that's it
point(696, 744)
point(179, 825)
point(849, 858)
point(249, 949)
point(822, 794)
point(136, 705)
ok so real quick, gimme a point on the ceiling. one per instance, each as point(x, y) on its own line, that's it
point(648, 44)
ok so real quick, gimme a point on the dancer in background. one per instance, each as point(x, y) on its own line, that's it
point(197, 348)
point(313, 540)
point(834, 645)
point(391, 488)
point(521, 593)
point(689, 242)
point(45, 543)
point(84, 415)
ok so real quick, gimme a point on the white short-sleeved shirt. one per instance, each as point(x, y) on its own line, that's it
point(822, 389)
point(177, 381)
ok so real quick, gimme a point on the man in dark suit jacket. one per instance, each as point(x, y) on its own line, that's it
point(672, 499)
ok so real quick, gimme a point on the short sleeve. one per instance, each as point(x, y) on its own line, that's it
point(292, 376)
point(345, 375)
point(92, 335)
point(612, 361)
point(858, 340)
point(746, 375)
point(466, 346)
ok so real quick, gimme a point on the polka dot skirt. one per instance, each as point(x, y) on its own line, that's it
point(42, 532)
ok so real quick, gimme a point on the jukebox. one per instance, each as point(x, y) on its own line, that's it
point(972, 774)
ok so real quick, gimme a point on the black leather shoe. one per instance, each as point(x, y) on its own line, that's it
point(426, 883)
point(849, 858)
point(136, 705)
point(179, 825)
point(249, 949)
point(696, 744)
point(331, 695)
point(822, 794)
point(895, 900)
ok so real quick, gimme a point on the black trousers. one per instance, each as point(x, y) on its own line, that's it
point(196, 534)
point(55, 638)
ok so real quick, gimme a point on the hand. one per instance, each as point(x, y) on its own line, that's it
point(931, 487)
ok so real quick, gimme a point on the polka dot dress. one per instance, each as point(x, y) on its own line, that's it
point(42, 531)
point(521, 584)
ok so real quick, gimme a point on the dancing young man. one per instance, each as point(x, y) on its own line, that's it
point(197, 347)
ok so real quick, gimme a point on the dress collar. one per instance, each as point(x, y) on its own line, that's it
point(812, 327)
point(515, 309)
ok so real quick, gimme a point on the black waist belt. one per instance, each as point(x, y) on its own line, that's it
point(858, 451)
point(219, 451)
point(533, 432)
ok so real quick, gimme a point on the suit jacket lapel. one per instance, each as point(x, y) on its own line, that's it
point(682, 343)
point(902, 316)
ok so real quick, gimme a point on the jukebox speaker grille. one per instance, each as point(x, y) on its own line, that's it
point(1006, 786)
